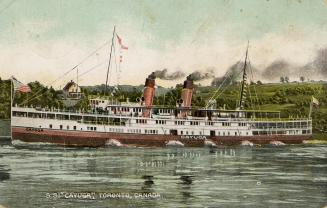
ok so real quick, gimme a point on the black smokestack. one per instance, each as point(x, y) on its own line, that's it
point(164, 75)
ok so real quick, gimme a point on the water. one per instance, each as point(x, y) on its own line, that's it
point(48, 176)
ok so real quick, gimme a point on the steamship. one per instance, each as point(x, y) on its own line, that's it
point(141, 124)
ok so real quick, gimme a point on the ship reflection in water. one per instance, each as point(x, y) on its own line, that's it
point(47, 176)
point(4, 173)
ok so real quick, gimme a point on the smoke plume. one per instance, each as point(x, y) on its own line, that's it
point(277, 69)
point(317, 68)
point(163, 74)
point(320, 62)
point(202, 75)
point(232, 74)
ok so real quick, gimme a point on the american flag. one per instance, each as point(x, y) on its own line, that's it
point(18, 86)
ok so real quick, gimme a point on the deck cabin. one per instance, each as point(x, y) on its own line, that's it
point(128, 118)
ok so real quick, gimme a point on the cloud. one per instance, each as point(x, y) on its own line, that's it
point(45, 60)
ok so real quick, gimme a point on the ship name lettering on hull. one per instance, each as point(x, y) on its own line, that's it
point(197, 137)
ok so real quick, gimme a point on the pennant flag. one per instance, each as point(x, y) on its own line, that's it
point(315, 101)
point(18, 86)
point(121, 43)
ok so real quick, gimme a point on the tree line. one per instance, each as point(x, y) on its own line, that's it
point(296, 98)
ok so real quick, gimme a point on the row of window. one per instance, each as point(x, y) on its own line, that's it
point(116, 130)
point(94, 128)
point(150, 131)
point(144, 121)
point(194, 123)
point(230, 133)
point(141, 121)
point(209, 123)
point(160, 122)
point(61, 127)
point(125, 109)
point(281, 125)
point(165, 111)
point(91, 128)
point(146, 131)
point(179, 122)
point(137, 110)
point(226, 124)
point(292, 132)
point(135, 131)
point(218, 133)
point(186, 133)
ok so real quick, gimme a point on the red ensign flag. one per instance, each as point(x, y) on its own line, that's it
point(121, 43)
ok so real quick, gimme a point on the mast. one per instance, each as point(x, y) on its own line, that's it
point(243, 90)
point(112, 45)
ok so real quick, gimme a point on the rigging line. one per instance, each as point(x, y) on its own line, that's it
point(214, 96)
point(92, 68)
point(229, 74)
point(112, 43)
point(228, 77)
point(225, 88)
point(119, 65)
point(244, 76)
point(254, 87)
point(89, 70)
point(252, 78)
point(110, 73)
point(7, 6)
point(255, 91)
point(218, 94)
point(115, 58)
point(67, 72)
point(249, 90)
point(220, 86)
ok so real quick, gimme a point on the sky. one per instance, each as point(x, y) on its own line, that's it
point(43, 39)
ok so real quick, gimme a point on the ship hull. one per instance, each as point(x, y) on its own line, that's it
point(101, 139)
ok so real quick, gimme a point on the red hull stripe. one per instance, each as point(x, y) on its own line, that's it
point(98, 139)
